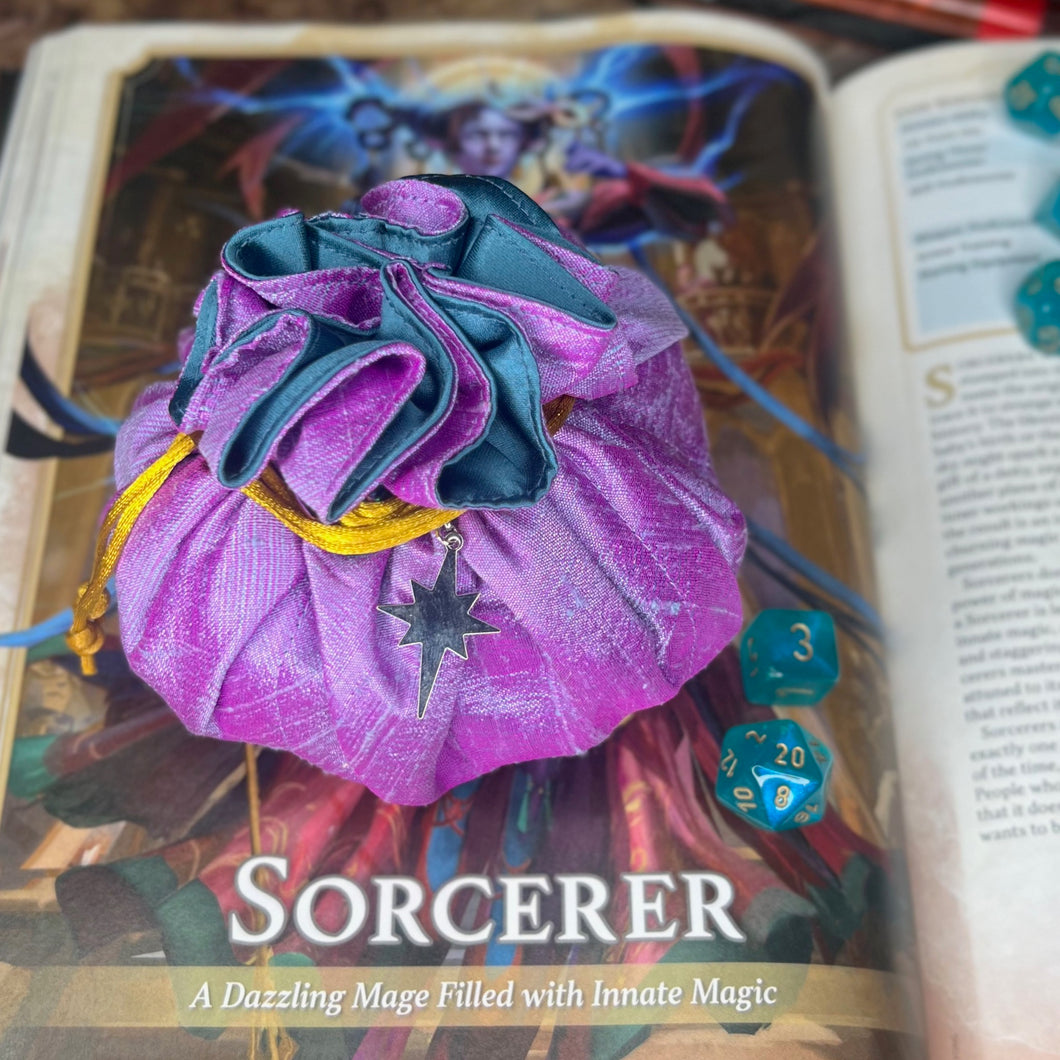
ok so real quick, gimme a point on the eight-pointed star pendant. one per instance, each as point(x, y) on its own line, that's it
point(439, 620)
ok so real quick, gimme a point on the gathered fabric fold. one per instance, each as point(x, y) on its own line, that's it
point(410, 348)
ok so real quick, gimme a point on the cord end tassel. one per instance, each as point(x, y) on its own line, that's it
point(85, 637)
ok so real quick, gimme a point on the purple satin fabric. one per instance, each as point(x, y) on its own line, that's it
point(609, 593)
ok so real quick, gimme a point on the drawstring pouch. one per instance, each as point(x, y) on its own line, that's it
point(431, 495)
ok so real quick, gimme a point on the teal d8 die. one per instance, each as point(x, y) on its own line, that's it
point(1048, 215)
point(1033, 96)
point(774, 774)
point(1038, 308)
point(789, 658)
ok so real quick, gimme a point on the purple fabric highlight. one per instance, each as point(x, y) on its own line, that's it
point(344, 418)
point(417, 204)
point(413, 478)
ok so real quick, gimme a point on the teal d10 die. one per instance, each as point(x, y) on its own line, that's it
point(1033, 96)
point(774, 774)
point(789, 658)
point(1038, 308)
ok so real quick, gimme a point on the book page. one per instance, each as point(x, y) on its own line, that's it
point(937, 191)
point(679, 145)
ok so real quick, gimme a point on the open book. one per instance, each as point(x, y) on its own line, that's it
point(899, 473)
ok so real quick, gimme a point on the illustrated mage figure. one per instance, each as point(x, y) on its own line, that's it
point(558, 138)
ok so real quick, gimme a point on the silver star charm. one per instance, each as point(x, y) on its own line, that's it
point(439, 620)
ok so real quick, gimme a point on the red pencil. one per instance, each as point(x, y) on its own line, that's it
point(986, 19)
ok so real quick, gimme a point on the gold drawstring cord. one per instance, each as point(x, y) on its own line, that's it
point(370, 527)
point(86, 636)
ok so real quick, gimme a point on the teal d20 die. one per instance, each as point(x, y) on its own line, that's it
point(1033, 96)
point(774, 774)
point(1038, 308)
point(789, 658)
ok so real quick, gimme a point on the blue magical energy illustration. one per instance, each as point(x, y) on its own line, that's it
point(631, 145)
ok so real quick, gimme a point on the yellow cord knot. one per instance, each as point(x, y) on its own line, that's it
point(85, 637)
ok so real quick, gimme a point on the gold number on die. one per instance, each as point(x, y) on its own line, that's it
point(798, 756)
point(728, 763)
point(804, 652)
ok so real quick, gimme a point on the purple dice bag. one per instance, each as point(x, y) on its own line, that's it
point(609, 591)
